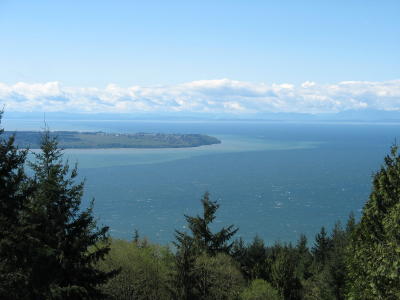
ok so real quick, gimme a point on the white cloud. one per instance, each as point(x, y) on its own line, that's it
point(219, 96)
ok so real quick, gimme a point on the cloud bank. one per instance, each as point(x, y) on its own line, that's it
point(203, 96)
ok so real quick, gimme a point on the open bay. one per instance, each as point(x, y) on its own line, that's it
point(276, 180)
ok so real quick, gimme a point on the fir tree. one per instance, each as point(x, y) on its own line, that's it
point(68, 242)
point(374, 253)
point(256, 257)
point(321, 247)
point(202, 235)
point(13, 244)
point(351, 224)
point(337, 263)
point(304, 258)
point(201, 241)
point(184, 277)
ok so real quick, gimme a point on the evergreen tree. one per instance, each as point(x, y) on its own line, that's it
point(184, 277)
point(136, 236)
point(251, 258)
point(337, 262)
point(201, 241)
point(304, 258)
point(351, 224)
point(256, 256)
point(321, 247)
point(13, 244)
point(68, 243)
point(374, 253)
point(239, 253)
point(204, 239)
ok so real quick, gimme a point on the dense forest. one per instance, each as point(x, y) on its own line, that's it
point(51, 248)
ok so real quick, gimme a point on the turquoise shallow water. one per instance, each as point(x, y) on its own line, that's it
point(274, 180)
point(97, 158)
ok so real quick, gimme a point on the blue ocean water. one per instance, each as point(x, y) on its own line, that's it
point(276, 180)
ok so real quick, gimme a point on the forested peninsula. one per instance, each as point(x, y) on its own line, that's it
point(76, 139)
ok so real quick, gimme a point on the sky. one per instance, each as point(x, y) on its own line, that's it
point(199, 56)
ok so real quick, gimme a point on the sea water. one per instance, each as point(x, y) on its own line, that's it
point(274, 180)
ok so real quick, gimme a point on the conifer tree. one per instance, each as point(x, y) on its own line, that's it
point(374, 252)
point(201, 241)
point(68, 242)
point(256, 256)
point(204, 238)
point(184, 276)
point(304, 258)
point(337, 264)
point(351, 224)
point(13, 244)
point(249, 256)
point(321, 247)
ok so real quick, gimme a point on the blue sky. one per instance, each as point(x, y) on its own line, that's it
point(91, 44)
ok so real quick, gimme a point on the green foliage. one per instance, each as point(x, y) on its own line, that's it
point(260, 290)
point(328, 270)
point(374, 254)
point(322, 247)
point(304, 258)
point(14, 192)
point(337, 260)
point(143, 271)
point(201, 241)
point(66, 242)
point(252, 258)
point(283, 274)
point(217, 277)
point(48, 246)
point(183, 277)
point(318, 287)
point(204, 239)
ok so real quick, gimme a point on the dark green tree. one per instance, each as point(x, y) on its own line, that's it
point(14, 191)
point(337, 261)
point(184, 279)
point(204, 239)
point(191, 246)
point(351, 224)
point(322, 247)
point(251, 258)
point(374, 251)
point(239, 253)
point(68, 243)
point(304, 258)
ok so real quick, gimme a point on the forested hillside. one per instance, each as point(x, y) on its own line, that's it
point(50, 248)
